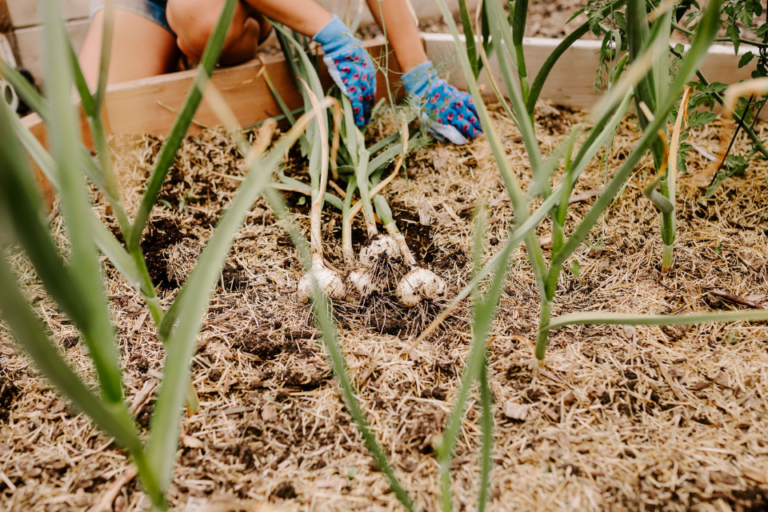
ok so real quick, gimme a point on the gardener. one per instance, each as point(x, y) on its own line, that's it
point(149, 34)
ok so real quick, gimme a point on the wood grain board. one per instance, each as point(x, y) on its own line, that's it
point(30, 44)
point(26, 13)
point(571, 81)
point(150, 105)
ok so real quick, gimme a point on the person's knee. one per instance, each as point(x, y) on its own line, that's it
point(194, 21)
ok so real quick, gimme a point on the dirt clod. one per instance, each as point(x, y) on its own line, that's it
point(284, 491)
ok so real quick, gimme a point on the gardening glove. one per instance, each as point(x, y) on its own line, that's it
point(450, 112)
point(350, 67)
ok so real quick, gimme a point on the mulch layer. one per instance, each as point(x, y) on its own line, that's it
point(620, 418)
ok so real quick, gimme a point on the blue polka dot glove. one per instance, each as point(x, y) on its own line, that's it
point(451, 112)
point(350, 67)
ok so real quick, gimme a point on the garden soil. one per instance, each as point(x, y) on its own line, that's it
point(619, 418)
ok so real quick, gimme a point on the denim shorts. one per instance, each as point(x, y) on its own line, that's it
point(151, 9)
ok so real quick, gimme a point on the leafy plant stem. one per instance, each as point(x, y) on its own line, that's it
point(561, 210)
point(500, 32)
point(111, 418)
point(696, 54)
point(602, 129)
point(560, 49)
point(105, 180)
point(483, 315)
point(183, 120)
point(689, 33)
point(517, 198)
point(719, 98)
point(346, 232)
point(469, 36)
point(361, 174)
point(486, 425)
point(323, 314)
point(97, 330)
point(608, 318)
point(545, 314)
point(324, 317)
point(519, 17)
point(107, 38)
point(147, 289)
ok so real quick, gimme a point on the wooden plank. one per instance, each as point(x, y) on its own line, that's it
point(150, 105)
point(570, 82)
point(30, 44)
point(26, 13)
point(35, 125)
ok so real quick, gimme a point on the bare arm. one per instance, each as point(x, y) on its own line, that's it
point(394, 17)
point(304, 16)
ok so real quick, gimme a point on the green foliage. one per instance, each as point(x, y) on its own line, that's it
point(77, 286)
point(734, 165)
point(547, 276)
point(605, 20)
point(744, 24)
point(575, 270)
point(473, 52)
point(76, 283)
point(662, 98)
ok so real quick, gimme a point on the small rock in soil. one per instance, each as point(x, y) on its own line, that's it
point(629, 331)
point(269, 412)
point(516, 411)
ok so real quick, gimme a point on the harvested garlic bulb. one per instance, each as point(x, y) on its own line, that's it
point(380, 247)
point(363, 281)
point(328, 281)
point(419, 284)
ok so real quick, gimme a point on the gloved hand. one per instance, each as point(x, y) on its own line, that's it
point(451, 112)
point(350, 67)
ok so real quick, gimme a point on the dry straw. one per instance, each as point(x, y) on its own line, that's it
point(79, 292)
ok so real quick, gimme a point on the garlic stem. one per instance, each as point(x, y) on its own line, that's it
point(365, 197)
point(346, 229)
point(408, 258)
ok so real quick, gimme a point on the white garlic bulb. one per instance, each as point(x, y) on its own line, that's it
point(381, 246)
point(419, 284)
point(362, 280)
point(328, 281)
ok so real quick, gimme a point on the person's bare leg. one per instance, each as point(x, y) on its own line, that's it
point(402, 33)
point(304, 16)
point(194, 22)
point(140, 49)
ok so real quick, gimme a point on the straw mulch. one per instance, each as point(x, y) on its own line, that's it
point(619, 419)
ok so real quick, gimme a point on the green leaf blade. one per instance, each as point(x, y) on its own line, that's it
point(183, 121)
point(97, 329)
